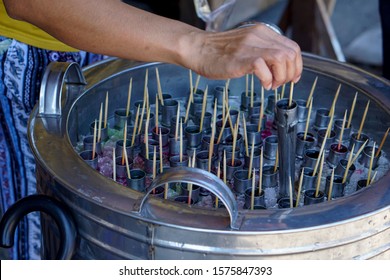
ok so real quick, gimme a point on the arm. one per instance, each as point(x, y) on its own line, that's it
point(114, 28)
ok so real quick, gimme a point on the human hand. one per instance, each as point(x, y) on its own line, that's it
point(257, 49)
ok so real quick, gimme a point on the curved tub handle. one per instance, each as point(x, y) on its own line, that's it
point(201, 178)
point(48, 205)
point(56, 75)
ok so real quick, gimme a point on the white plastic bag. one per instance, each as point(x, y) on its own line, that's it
point(215, 14)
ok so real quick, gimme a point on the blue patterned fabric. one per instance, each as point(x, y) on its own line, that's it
point(21, 71)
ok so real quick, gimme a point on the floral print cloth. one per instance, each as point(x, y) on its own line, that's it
point(21, 70)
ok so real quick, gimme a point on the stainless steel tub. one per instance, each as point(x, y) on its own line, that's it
point(115, 222)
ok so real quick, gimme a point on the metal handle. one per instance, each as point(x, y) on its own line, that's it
point(56, 75)
point(201, 178)
point(55, 209)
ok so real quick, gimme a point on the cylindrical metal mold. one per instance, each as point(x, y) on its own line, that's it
point(111, 227)
point(286, 121)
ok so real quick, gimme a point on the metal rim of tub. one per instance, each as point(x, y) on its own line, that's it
point(54, 153)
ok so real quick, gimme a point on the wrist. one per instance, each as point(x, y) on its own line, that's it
point(189, 49)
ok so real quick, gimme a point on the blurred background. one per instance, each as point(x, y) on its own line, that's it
point(344, 30)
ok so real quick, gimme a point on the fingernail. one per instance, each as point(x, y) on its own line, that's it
point(297, 79)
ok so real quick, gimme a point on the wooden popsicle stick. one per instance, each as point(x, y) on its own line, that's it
point(251, 158)
point(348, 165)
point(196, 86)
point(190, 185)
point(332, 109)
point(359, 151)
point(224, 167)
point(146, 137)
point(276, 160)
point(166, 190)
point(191, 86)
point(238, 123)
point(282, 93)
point(363, 120)
point(156, 115)
point(319, 175)
point(219, 176)
point(181, 142)
point(127, 164)
point(371, 164)
point(290, 99)
point(245, 135)
point(352, 110)
point(106, 111)
point(342, 131)
point(159, 89)
point(203, 109)
point(322, 151)
point(246, 84)
point(252, 90)
point(261, 172)
point(193, 158)
point(142, 117)
point(299, 187)
point(124, 143)
point(223, 102)
point(373, 177)
point(223, 127)
point(261, 111)
point(229, 118)
point(382, 142)
point(94, 140)
point(154, 162)
point(234, 142)
point(135, 127)
point(188, 109)
point(311, 92)
point(99, 137)
point(146, 97)
point(329, 128)
point(290, 189)
point(253, 190)
point(227, 89)
point(177, 120)
point(331, 185)
point(161, 152)
point(129, 97)
point(276, 96)
point(308, 120)
point(211, 148)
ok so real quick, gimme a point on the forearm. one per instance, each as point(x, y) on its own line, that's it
point(109, 27)
point(113, 28)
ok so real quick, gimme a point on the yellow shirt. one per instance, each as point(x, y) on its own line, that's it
point(28, 33)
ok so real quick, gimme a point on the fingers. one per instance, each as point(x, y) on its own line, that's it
point(276, 68)
point(263, 72)
point(273, 58)
point(295, 58)
point(283, 56)
point(285, 66)
point(299, 67)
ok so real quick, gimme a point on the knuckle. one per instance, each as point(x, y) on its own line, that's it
point(278, 57)
point(296, 47)
point(291, 54)
point(248, 38)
